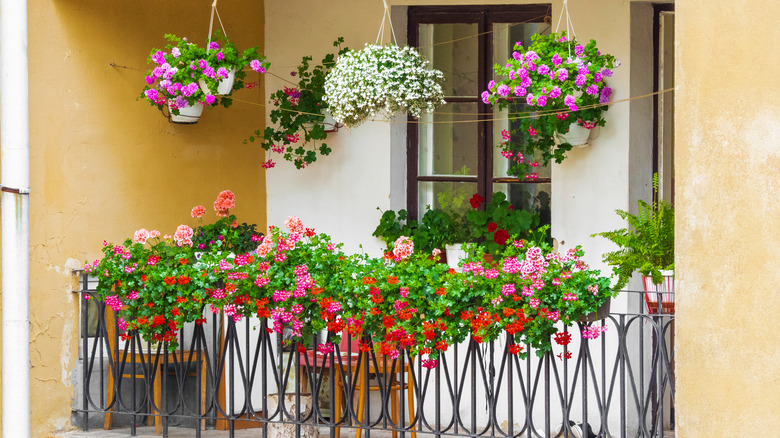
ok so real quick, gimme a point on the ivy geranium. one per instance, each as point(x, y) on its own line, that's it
point(175, 79)
point(298, 113)
point(547, 86)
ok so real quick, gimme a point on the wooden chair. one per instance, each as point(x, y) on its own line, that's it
point(147, 359)
point(349, 366)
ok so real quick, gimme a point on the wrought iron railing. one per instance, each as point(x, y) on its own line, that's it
point(228, 374)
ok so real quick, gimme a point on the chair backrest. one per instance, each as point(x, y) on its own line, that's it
point(353, 345)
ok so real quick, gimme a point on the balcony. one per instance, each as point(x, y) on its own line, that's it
point(230, 376)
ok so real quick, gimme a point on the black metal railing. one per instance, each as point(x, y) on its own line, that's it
point(224, 373)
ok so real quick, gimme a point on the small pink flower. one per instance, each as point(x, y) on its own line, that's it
point(294, 224)
point(403, 248)
point(141, 236)
point(183, 235)
point(198, 211)
point(225, 200)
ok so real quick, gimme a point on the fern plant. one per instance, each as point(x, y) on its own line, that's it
point(647, 245)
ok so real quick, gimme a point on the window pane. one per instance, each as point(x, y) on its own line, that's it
point(531, 197)
point(452, 197)
point(447, 148)
point(453, 49)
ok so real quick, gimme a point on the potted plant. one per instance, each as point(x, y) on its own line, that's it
point(552, 88)
point(498, 222)
point(434, 230)
point(381, 80)
point(186, 77)
point(300, 114)
point(647, 246)
point(227, 64)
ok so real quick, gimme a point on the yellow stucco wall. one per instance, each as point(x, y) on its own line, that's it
point(103, 164)
point(728, 218)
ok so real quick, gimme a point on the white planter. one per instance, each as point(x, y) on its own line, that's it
point(330, 123)
point(455, 253)
point(224, 86)
point(577, 136)
point(663, 291)
point(187, 115)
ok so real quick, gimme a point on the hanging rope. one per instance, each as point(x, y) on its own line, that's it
point(211, 24)
point(380, 37)
point(569, 24)
point(526, 115)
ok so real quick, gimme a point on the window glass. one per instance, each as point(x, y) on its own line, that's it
point(452, 48)
point(447, 141)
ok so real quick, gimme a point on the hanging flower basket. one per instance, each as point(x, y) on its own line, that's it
point(187, 76)
point(186, 115)
point(552, 88)
point(300, 119)
point(381, 80)
point(578, 136)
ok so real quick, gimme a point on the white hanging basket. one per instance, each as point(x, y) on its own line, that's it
point(578, 136)
point(224, 86)
point(330, 124)
point(188, 115)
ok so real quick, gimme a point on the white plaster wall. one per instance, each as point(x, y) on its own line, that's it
point(593, 182)
point(339, 193)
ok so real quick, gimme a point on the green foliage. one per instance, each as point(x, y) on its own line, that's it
point(499, 222)
point(226, 234)
point(529, 302)
point(298, 113)
point(231, 59)
point(299, 279)
point(646, 246)
point(436, 229)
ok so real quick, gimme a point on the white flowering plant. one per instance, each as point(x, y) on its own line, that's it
point(381, 80)
point(547, 87)
point(175, 78)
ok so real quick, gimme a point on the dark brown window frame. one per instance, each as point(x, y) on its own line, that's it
point(484, 17)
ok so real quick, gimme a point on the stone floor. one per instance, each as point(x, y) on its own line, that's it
point(178, 432)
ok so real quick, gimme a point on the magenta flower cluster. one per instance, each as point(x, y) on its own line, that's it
point(185, 74)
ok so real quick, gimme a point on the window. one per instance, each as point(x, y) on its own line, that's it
point(451, 153)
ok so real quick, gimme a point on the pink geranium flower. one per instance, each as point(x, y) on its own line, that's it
point(198, 211)
point(225, 200)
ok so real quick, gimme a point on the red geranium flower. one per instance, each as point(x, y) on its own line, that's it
point(492, 227)
point(501, 236)
point(476, 200)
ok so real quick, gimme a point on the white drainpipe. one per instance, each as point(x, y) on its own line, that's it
point(15, 210)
